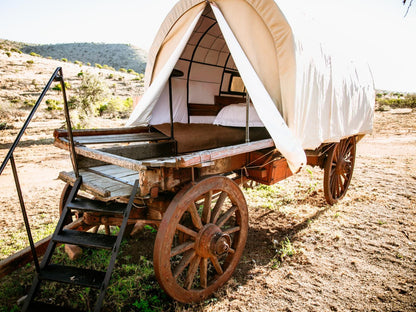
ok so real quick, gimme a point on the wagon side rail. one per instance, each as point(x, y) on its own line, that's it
point(56, 76)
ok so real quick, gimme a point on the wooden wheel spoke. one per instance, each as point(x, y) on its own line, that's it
point(181, 248)
point(206, 212)
point(333, 184)
point(226, 216)
point(203, 272)
point(217, 208)
point(186, 230)
point(217, 265)
point(231, 230)
point(186, 259)
point(341, 185)
point(193, 267)
point(196, 219)
point(348, 150)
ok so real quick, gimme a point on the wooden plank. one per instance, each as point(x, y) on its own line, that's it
point(88, 132)
point(98, 185)
point(113, 170)
point(110, 158)
point(116, 173)
point(198, 158)
point(22, 257)
point(143, 151)
point(120, 138)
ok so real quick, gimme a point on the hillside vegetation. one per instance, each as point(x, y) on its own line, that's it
point(23, 77)
point(114, 55)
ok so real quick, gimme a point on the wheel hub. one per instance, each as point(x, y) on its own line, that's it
point(211, 241)
point(341, 164)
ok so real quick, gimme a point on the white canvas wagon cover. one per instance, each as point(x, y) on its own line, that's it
point(304, 95)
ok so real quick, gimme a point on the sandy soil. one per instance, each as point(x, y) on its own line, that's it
point(359, 255)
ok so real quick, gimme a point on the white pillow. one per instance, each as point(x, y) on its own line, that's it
point(234, 115)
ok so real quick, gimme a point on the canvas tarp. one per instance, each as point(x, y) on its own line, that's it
point(304, 95)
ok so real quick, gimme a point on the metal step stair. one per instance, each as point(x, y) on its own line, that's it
point(74, 275)
point(44, 307)
point(85, 239)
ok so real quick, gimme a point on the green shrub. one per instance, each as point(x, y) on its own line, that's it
point(34, 54)
point(98, 65)
point(78, 63)
point(30, 62)
point(53, 105)
point(108, 67)
point(117, 107)
point(80, 73)
point(408, 101)
point(8, 54)
point(89, 64)
point(29, 103)
point(16, 50)
point(91, 93)
point(123, 70)
point(64, 59)
point(110, 76)
point(58, 86)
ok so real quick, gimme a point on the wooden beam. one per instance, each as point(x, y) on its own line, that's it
point(22, 257)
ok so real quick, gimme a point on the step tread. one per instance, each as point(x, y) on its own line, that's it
point(96, 205)
point(72, 275)
point(36, 306)
point(85, 239)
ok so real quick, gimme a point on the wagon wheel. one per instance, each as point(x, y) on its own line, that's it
point(201, 239)
point(64, 197)
point(339, 167)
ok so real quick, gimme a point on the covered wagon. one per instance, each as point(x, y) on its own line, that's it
point(235, 90)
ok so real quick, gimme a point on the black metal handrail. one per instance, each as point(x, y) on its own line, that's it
point(56, 76)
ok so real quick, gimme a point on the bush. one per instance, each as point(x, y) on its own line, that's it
point(53, 105)
point(89, 64)
point(117, 107)
point(30, 62)
point(64, 59)
point(98, 65)
point(78, 63)
point(408, 101)
point(80, 74)
point(91, 92)
point(123, 70)
point(58, 86)
point(16, 50)
point(29, 103)
point(34, 54)
point(8, 54)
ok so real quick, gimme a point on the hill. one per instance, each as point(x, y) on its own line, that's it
point(23, 76)
point(114, 55)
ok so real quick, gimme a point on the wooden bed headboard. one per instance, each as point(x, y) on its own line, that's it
point(213, 109)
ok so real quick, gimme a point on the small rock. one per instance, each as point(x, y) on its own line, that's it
point(73, 251)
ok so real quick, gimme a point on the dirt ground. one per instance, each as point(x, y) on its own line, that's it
point(358, 255)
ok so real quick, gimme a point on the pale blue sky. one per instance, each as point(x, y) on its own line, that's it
point(376, 29)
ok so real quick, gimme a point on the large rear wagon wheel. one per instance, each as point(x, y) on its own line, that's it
point(338, 170)
point(201, 239)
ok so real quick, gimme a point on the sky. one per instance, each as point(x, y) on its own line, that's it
point(375, 30)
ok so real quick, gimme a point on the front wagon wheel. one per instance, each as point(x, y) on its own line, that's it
point(201, 239)
point(338, 170)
